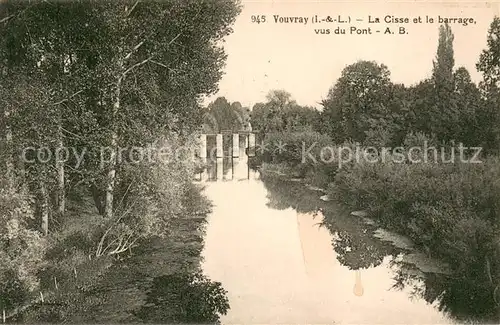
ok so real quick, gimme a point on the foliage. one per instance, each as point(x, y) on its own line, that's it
point(449, 208)
point(94, 76)
point(21, 249)
point(195, 297)
point(289, 148)
point(358, 96)
point(221, 116)
point(152, 194)
point(282, 114)
point(489, 60)
point(489, 66)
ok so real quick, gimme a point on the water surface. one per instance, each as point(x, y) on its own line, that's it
point(266, 245)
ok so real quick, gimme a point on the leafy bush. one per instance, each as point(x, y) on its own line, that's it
point(299, 152)
point(21, 249)
point(452, 209)
point(146, 207)
point(186, 298)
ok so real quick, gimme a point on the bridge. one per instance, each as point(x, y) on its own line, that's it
point(225, 156)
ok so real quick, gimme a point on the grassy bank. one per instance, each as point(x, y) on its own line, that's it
point(451, 210)
point(149, 283)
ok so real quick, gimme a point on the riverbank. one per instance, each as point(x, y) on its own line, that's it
point(150, 283)
point(447, 223)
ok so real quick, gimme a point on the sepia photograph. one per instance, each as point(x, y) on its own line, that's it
point(249, 162)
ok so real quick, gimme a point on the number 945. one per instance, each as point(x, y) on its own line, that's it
point(258, 19)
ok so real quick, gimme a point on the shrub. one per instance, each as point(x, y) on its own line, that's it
point(145, 208)
point(288, 149)
point(21, 249)
point(452, 209)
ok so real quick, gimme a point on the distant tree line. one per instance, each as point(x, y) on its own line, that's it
point(364, 106)
point(221, 115)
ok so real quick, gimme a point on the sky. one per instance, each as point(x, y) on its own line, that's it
point(291, 56)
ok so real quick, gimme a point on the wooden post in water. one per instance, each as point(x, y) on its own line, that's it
point(220, 155)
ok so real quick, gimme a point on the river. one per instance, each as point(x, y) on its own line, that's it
point(267, 243)
point(273, 251)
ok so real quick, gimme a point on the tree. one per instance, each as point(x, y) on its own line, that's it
point(470, 108)
point(489, 66)
point(444, 63)
point(489, 60)
point(129, 72)
point(444, 112)
point(282, 113)
point(243, 115)
point(268, 117)
point(99, 77)
point(358, 96)
point(225, 116)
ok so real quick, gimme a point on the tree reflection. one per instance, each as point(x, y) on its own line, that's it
point(354, 245)
point(285, 194)
point(463, 297)
point(356, 253)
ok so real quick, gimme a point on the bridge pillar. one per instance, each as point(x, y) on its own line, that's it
point(243, 145)
point(203, 146)
point(203, 157)
point(236, 145)
point(220, 169)
point(220, 149)
point(251, 145)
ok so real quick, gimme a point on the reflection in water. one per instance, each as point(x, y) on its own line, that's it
point(268, 245)
point(185, 298)
point(358, 286)
point(232, 166)
point(319, 260)
point(462, 297)
point(357, 249)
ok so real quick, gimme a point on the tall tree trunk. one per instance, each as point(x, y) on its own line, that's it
point(110, 186)
point(97, 196)
point(61, 200)
point(8, 144)
point(44, 206)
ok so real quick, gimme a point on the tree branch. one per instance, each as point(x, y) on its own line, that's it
point(66, 99)
point(136, 65)
point(6, 18)
point(160, 64)
point(132, 9)
point(173, 39)
point(133, 50)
